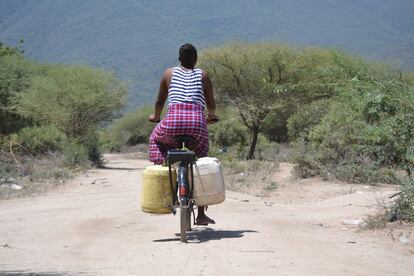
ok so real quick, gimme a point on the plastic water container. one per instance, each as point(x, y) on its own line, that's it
point(156, 192)
point(209, 188)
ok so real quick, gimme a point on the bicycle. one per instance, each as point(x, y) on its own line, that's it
point(182, 195)
point(184, 189)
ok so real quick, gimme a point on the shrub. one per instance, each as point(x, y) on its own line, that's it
point(358, 173)
point(228, 133)
point(82, 151)
point(75, 154)
point(131, 129)
point(306, 159)
point(15, 74)
point(72, 98)
point(75, 100)
point(40, 173)
point(368, 128)
point(40, 139)
point(267, 150)
point(325, 162)
point(275, 126)
point(300, 123)
point(91, 142)
point(8, 170)
point(403, 209)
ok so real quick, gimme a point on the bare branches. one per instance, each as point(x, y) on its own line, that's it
point(12, 154)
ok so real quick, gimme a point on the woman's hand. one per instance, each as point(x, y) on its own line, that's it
point(153, 118)
point(212, 118)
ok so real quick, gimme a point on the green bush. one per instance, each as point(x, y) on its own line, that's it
point(131, 129)
point(403, 208)
point(72, 98)
point(300, 123)
point(8, 170)
point(40, 173)
point(326, 163)
point(368, 128)
point(267, 150)
point(40, 139)
point(358, 173)
point(83, 151)
point(91, 142)
point(55, 108)
point(305, 158)
point(75, 100)
point(15, 74)
point(374, 121)
point(228, 133)
point(75, 154)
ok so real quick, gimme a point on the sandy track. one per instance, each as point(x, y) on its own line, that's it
point(89, 229)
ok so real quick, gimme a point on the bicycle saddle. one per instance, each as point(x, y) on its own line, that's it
point(187, 139)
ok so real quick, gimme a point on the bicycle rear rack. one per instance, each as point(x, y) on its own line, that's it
point(183, 156)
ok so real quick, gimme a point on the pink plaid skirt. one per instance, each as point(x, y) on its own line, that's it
point(181, 119)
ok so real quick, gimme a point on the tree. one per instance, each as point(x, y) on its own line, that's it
point(15, 74)
point(269, 78)
point(73, 98)
point(10, 51)
point(241, 74)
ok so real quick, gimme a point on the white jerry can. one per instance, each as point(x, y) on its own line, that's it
point(209, 186)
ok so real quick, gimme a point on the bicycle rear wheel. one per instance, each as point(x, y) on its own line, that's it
point(185, 223)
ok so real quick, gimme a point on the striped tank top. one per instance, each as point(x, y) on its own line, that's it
point(186, 87)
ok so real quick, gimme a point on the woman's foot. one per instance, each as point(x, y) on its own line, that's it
point(204, 220)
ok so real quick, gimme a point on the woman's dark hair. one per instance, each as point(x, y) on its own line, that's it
point(188, 56)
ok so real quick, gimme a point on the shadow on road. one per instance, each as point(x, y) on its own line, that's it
point(120, 168)
point(25, 273)
point(199, 235)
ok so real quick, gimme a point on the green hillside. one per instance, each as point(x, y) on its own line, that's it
point(138, 39)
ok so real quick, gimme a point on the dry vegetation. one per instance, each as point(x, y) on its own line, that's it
point(23, 176)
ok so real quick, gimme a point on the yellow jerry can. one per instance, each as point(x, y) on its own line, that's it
point(156, 192)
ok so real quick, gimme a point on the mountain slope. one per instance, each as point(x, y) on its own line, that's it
point(137, 39)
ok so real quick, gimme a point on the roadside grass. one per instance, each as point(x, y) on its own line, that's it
point(22, 176)
point(377, 221)
point(403, 207)
point(272, 186)
point(251, 176)
point(399, 210)
point(381, 217)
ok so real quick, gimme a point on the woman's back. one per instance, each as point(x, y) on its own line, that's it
point(186, 86)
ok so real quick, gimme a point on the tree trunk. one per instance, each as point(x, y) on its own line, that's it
point(255, 132)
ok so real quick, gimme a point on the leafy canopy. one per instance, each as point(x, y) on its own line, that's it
point(273, 79)
point(73, 98)
point(15, 74)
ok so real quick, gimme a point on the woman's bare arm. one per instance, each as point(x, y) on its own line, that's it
point(162, 95)
point(209, 96)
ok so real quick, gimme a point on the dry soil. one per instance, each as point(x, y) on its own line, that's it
point(94, 226)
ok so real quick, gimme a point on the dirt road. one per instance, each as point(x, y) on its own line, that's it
point(94, 226)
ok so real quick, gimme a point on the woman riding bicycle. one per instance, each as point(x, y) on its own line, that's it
point(189, 90)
